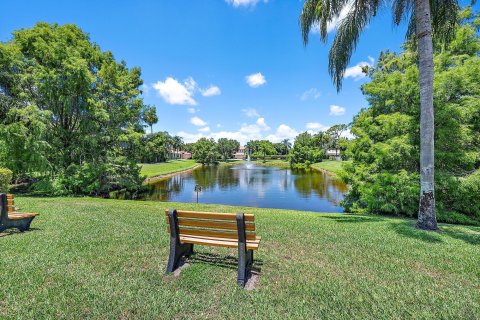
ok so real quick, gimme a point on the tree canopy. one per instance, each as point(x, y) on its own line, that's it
point(70, 112)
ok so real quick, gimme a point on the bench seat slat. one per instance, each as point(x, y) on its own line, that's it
point(211, 215)
point(213, 233)
point(218, 242)
point(225, 225)
point(21, 215)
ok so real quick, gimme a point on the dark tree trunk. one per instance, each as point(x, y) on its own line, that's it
point(426, 212)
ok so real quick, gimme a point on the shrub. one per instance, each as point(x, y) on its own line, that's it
point(5, 179)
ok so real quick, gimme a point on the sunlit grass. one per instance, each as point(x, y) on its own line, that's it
point(156, 169)
point(105, 259)
point(329, 165)
point(273, 163)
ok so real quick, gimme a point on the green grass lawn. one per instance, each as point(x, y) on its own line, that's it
point(156, 169)
point(105, 259)
point(273, 163)
point(329, 165)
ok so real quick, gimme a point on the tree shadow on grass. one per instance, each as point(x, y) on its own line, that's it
point(469, 237)
point(407, 229)
point(354, 218)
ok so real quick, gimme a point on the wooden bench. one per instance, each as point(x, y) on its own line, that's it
point(10, 217)
point(229, 230)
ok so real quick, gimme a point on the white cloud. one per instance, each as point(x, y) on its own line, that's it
point(244, 3)
point(191, 110)
point(211, 91)
point(356, 72)
point(255, 80)
point(190, 137)
point(174, 92)
point(336, 110)
point(315, 126)
point(251, 131)
point(256, 128)
point(196, 121)
point(251, 113)
point(283, 132)
point(312, 93)
point(219, 125)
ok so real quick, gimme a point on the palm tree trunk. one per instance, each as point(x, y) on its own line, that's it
point(426, 212)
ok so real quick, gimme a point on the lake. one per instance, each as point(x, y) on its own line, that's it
point(250, 185)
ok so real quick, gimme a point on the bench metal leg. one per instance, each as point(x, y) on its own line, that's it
point(245, 257)
point(245, 262)
point(177, 249)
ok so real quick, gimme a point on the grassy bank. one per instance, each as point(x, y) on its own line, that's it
point(273, 163)
point(105, 259)
point(172, 166)
point(329, 165)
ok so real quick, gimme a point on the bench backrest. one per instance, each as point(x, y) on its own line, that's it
point(212, 224)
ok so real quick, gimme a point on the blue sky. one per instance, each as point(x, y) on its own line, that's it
point(218, 68)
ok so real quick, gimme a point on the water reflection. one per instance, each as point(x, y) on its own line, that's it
point(250, 185)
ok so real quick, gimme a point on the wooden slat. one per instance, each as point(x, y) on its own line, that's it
point(21, 215)
point(212, 224)
point(11, 208)
point(213, 233)
point(218, 242)
point(211, 215)
point(9, 202)
point(9, 196)
point(257, 238)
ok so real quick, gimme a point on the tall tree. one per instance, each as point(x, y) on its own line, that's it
point(149, 116)
point(265, 148)
point(287, 145)
point(427, 18)
point(205, 151)
point(74, 110)
point(334, 133)
point(177, 143)
point(227, 147)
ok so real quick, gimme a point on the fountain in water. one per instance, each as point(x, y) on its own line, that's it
point(249, 164)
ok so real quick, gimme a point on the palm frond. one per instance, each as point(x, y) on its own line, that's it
point(401, 10)
point(444, 15)
point(346, 39)
point(318, 13)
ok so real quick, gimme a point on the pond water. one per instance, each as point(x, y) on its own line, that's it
point(254, 186)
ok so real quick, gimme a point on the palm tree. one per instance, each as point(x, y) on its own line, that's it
point(287, 145)
point(427, 18)
point(150, 116)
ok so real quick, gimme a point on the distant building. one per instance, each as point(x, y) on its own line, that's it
point(174, 154)
point(333, 154)
point(240, 154)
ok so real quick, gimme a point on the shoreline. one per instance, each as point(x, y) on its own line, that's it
point(154, 179)
point(330, 173)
